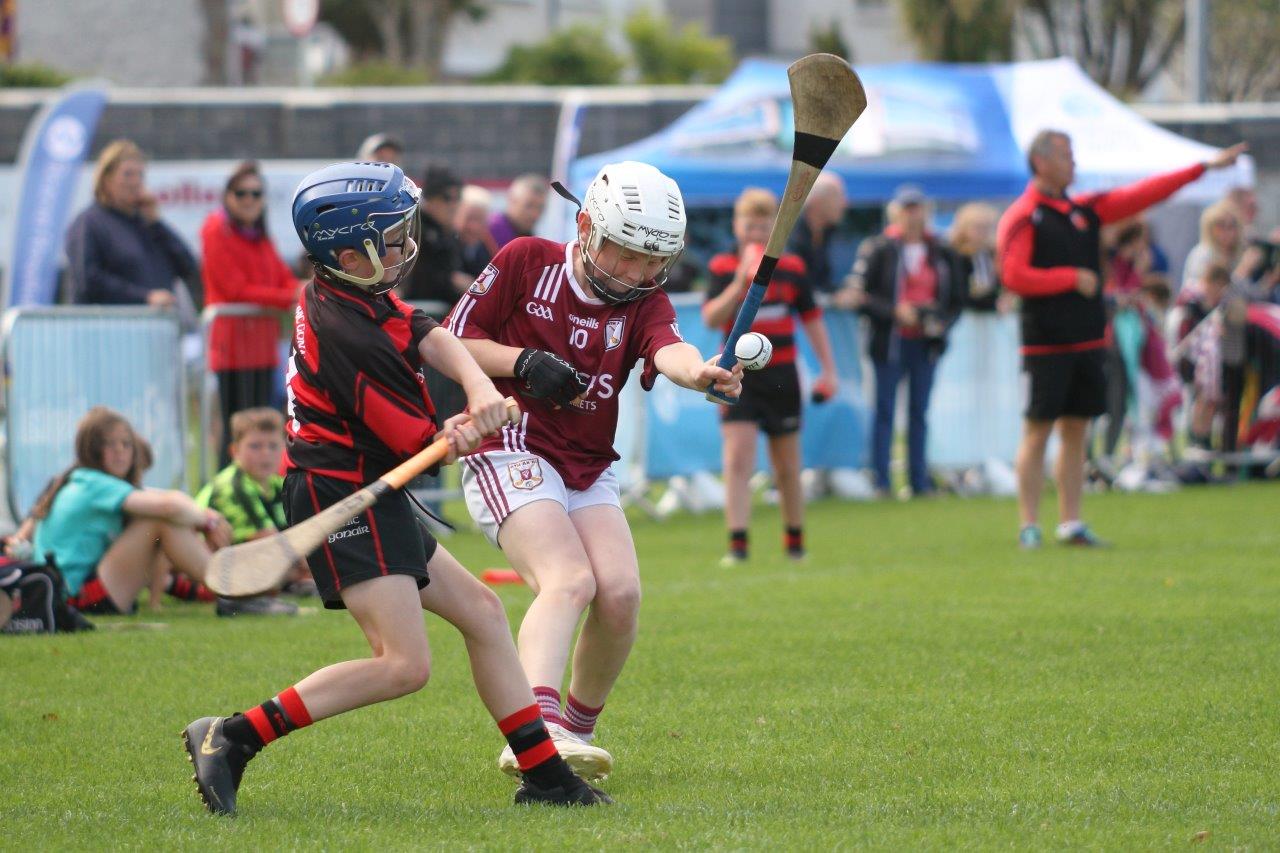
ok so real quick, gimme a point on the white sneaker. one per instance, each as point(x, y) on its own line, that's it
point(590, 762)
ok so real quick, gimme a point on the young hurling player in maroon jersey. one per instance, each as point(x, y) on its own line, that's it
point(560, 326)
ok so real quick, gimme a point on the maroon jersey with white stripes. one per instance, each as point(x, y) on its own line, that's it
point(358, 404)
point(528, 297)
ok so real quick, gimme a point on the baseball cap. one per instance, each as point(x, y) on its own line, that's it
point(908, 194)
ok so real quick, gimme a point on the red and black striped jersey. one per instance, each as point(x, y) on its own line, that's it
point(357, 399)
point(789, 293)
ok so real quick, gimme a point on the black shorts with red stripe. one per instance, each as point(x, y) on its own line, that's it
point(93, 599)
point(389, 538)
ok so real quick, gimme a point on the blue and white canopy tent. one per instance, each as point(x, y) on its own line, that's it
point(959, 131)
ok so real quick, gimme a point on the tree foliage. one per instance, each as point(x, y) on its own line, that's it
point(1244, 36)
point(827, 39)
point(662, 55)
point(376, 72)
point(399, 32)
point(961, 30)
point(1121, 44)
point(577, 55)
point(31, 75)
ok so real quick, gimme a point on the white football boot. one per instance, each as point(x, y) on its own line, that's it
point(590, 762)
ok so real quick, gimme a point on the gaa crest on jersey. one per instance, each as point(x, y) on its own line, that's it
point(613, 333)
point(484, 281)
point(525, 474)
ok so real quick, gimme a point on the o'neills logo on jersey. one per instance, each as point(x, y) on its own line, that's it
point(584, 322)
point(300, 330)
point(484, 281)
point(613, 333)
point(525, 474)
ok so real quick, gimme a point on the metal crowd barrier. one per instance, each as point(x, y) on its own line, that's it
point(62, 360)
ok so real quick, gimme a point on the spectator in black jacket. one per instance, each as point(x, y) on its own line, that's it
point(438, 275)
point(120, 253)
point(910, 298)
point(823, 213)
point(972, 240)
point(471, 224)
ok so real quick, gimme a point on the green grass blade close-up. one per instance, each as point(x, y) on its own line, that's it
point(918, 682)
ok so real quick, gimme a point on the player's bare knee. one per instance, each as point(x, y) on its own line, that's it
point(577, 585)
point(406, 673)
point(491, 613)
point(618, 607)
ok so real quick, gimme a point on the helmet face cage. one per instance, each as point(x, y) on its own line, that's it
point(606, 283)
point(397, 229)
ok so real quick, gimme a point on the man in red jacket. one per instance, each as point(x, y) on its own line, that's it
point(1051, 255)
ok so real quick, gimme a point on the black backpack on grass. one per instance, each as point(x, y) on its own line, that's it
point(40, 599)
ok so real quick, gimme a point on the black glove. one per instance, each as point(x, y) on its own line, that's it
point(548, 375)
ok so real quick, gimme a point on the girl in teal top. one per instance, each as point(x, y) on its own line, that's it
point(111, 538)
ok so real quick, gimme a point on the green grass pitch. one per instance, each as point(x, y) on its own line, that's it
point(918, 683)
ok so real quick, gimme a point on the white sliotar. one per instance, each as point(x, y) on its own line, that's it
point(754, 350)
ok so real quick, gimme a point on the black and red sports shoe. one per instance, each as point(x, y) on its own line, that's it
point(572, 792)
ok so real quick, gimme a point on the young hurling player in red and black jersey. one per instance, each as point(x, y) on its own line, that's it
point(357, 407)
point(560, 327)
point(770, 399)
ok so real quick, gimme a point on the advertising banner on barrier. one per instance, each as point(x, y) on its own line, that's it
point(49, 167)
point(683, 429)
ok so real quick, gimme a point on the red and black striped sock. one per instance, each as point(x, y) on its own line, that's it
point(795, 541)
point(185, 589)
point(535, 752)
point(738, 543)
point(273, 719)
point(548, 699)
point(579, 718)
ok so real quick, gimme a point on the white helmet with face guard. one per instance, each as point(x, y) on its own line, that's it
point(641, 210)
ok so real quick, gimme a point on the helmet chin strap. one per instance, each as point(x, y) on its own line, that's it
point(378, 269)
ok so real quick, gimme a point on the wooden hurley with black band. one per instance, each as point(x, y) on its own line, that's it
point(826, 99)
point(254, 567)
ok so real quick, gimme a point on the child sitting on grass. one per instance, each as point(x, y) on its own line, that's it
point(249, 495)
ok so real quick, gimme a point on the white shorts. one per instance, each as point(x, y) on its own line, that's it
point(497, 483)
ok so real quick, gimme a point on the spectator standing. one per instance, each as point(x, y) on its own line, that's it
point(811, 241)
point(911, 300)
point(120, 252)
point(471, 224)
point(972, 240)
point(1221, 243)
point(1050, 252)
point(526, 200)
point(240, 265)
point(381, 148)
point(437, 275)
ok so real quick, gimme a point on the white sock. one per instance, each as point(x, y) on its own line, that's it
point(1067, 528)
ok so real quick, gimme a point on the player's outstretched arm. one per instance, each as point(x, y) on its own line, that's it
point(683, 365)
point(445, 353)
